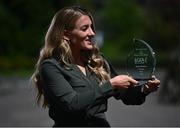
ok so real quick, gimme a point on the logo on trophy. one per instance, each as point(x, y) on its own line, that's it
point(141, 61)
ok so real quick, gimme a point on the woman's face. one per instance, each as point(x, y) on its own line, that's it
point(81, 36)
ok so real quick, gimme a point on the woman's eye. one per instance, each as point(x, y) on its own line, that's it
point(84, 28)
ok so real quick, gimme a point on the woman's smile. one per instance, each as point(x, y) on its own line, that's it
point(81, 36)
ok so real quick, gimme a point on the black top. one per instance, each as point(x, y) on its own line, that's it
point(75, 99)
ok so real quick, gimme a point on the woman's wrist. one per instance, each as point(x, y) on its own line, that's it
point(112, 83)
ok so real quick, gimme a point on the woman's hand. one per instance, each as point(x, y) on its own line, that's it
point(151, 85)
point(122, 82)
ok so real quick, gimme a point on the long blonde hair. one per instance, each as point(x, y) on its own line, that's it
point(56, 46)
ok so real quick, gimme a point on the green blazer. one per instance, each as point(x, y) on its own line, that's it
point(75, 99)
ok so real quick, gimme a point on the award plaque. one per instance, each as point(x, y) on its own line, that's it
point(141, 61)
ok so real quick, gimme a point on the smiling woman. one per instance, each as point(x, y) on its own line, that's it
point(80, 37)
point(74, 79)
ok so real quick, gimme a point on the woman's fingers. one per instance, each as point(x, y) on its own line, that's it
point(123, 81)
point(153, 84)
point(154, 81)
point(133, 81)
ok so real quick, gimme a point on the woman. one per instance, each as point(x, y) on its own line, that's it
point(74, 79)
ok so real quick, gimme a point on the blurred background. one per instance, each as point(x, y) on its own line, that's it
point(23, 25)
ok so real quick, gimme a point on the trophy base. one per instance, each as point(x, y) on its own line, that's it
point(142, 81)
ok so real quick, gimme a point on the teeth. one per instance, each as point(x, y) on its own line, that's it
point(92, 40)
point(88, 40)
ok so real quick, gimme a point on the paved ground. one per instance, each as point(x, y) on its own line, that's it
point(18, 108)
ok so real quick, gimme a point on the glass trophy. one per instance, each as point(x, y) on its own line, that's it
point(141, 61)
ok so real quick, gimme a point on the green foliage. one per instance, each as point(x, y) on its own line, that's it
point(24, 23)
point(123, 21)
point(23, 26)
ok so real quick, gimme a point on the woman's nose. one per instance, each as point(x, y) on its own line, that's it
point(91, 32)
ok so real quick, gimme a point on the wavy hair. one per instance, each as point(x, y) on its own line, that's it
point(57, 47)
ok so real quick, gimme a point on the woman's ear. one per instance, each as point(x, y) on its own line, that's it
point(66, 35)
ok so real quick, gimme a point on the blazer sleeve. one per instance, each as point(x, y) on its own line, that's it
point(61, 92)
point(131, 96)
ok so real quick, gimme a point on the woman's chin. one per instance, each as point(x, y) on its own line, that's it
point(89, 47)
